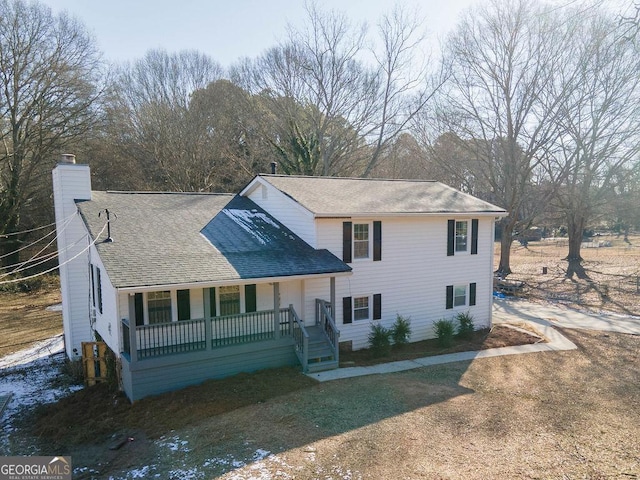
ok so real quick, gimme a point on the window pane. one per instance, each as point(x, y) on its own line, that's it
point(461, 236)
point(361, 308)
point(229, 300)
point(159, 305)
point(460, 295)
point(361, 240)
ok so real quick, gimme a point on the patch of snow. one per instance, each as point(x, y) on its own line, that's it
point(54, 308)
point(174, 444)
point(43, 349)
point(247, 221)
point(28, 375)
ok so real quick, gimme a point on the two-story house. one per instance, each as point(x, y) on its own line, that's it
point(185, 287)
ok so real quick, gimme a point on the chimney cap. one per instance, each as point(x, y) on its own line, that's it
point(67, 158)
point(274, 167)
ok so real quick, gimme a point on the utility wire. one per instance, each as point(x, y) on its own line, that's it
point(5, 235)
point(44, 259)
point(15, 280)
point(20, 264)
point(37, 241)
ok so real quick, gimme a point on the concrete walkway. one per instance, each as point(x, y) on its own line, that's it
point(508, 311)
point(513, 309)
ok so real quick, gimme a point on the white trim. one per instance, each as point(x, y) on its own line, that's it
point(369, 256)
point(231, 281)
point(469, 214)
point(369, 308)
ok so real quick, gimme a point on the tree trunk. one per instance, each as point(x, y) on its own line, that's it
point(575, 229)
point(508, 226)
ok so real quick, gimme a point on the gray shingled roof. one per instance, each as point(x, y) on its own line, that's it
point(179, 238)
point(331, 196)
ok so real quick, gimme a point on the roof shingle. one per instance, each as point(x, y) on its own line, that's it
point(180, 238)
point(334, 196)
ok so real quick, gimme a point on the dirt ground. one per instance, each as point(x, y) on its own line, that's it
point(25, 318)
point(612, 281)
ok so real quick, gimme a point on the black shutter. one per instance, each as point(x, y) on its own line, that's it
point(99, 282)
point(212, 301)
point(474, 236)
point(346, 242)
point(449, 297)
point(472, 294)
point(451, 237)
point(346, 310)
point(184, 305)
point(377, 241)
point(138, 307)
point(377, 306)
point(250, 299)
point(93, 287)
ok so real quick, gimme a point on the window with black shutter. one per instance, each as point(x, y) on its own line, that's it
point(472, 294)
point(346, 242)
point(474, 236)
point(184, 305)
point(99, 288)
point(346, 310)
point(377, 241)
point(250, 298)
point(449, 297)
point(377, 306)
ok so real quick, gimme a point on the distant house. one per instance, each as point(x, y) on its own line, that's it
point(184, 287)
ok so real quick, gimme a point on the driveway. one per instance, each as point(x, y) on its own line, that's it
point(510, 310)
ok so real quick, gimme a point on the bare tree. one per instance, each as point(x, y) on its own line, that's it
point(49, 85)
point(150, 122)
point(323, 93)
point(601, 125)
point(497, 100)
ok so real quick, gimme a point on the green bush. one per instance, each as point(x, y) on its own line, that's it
point(465, 325)
point(401, 331)
point(445, 330)
point(379, 340)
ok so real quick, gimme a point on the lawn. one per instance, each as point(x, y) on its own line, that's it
point(612, 280)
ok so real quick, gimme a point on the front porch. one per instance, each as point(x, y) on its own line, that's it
point(316, 347)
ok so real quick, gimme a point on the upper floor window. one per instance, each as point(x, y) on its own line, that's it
point(361, 240)
point(461, 235)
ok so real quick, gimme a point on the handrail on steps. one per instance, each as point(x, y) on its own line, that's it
point(300, 337)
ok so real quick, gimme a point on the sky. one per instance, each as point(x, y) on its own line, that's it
point(227, 30)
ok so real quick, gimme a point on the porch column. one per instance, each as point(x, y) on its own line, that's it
point(332, 296)
point(276, 310)
point(133, 336)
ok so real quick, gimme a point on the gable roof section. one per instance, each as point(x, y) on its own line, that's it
point(339, 196)
point(182, 238)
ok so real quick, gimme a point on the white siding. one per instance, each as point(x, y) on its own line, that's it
point(107, 323)
point(411, 277)
point(291, 214)
point(71, 182)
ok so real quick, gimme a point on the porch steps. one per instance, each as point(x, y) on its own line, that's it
point(321, 356)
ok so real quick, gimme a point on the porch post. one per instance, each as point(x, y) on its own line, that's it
point(276, 310)
point(207, 318)
point(332, 296)
point(133, 335)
